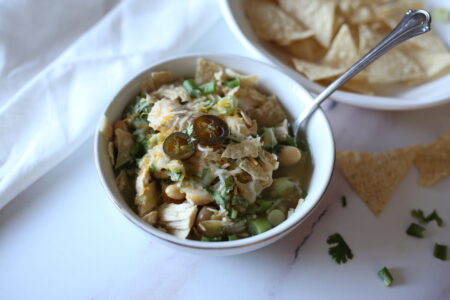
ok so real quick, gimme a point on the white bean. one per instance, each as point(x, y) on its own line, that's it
point(174, 192)
point(289, 155)
point(198, 196)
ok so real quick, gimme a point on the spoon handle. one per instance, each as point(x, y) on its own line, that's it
point(415, 22)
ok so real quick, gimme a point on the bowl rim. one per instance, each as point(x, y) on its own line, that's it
point(354, 99)
point(194, 244)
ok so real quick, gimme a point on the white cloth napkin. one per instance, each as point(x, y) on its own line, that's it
point(62, 61)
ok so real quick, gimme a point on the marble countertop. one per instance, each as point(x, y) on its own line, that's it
point(62, 238)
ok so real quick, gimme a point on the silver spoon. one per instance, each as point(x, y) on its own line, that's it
point(415, 22)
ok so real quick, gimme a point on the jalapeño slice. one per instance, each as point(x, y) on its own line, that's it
point(178, 146)
point(210, 130)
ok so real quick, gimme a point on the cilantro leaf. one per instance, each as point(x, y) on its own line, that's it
point(340, 252)
point(223, 195)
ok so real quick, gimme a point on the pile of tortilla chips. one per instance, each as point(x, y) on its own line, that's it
point(374, 176)
point(325, 37)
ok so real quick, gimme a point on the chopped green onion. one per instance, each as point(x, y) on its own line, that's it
point(226, 106)
point(276, 217)
point(210, 239)
point(419, 215)
point(344, 201)
point(152, 169)
point(232, 237)
point(234, 213)
point(415, 230)
point(176, 175)
point(204, 172)
point(282, 187)
point(258, 226)
point(137, 150)
point(435, 217)
point(208, 88)
point(233, 82)
point(190, 86)
point(290, 141)
point(263, 205)
point(440, 251)
point(386, 276)
point(268, 138)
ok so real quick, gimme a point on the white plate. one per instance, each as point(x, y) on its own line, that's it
point(433, 93)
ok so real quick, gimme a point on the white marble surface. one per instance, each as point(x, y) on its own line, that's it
point(63, 239)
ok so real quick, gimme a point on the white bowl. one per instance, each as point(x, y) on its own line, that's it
point(292, 96)
point(433, 93)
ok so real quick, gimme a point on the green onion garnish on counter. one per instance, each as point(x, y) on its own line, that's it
point(440, 251)
point(386, 276)
point(415, 230)
point(433, 216)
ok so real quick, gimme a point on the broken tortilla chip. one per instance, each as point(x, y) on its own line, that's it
point(273, 24)
point(343, 51)
point(318, 15)
point(374, 176)
point(206, 70)
point(315, 71)
point(308, 49)
point(433, 161)
point(161, 78)
point(394, 66)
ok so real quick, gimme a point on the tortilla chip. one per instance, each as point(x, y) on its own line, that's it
point(273, 24)
point(316, 71)
point(432, 64)
point(161, 78)
point(261, 170)
point(266, 110)
point(433, 161)
point(206, 70)
point(308, 49)
point(111, 153)
point(429, 41)
point(246, 148)
point(374, 176)
point(318, 15)
point(106, 129)
point(357, 84)
point(245, 80)
point(172, 92)
point(393, 67)
point(343, 51)
point(393, 11)
point(147, 85)
point(269, 114)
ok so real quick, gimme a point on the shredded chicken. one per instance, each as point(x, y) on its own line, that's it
point(177, 219)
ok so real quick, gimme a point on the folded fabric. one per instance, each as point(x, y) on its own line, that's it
point(61, 62)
